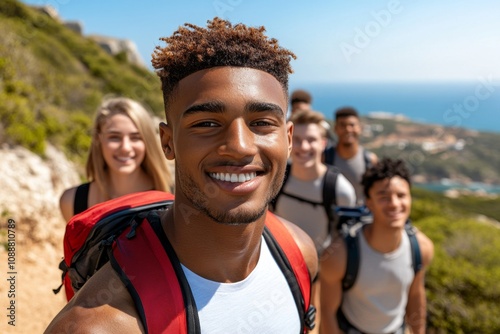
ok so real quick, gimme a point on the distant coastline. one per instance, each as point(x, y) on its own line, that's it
point(448, 186)
point(453, 105)
point(471, 105)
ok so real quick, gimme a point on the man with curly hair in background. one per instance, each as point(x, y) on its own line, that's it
point(388, 292)
point(225, 92)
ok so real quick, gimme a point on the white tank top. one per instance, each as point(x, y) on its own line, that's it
point(377, 301)
point(261, 303)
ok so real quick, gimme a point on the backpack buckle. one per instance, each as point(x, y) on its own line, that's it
point(310, 317)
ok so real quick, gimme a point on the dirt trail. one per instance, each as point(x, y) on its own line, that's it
point(30, 187)
point(36, 276)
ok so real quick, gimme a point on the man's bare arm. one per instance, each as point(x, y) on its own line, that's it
point(416, 309)
point(103, 305)
point(332, 264)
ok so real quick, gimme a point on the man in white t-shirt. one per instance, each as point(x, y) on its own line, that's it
point(225, 91)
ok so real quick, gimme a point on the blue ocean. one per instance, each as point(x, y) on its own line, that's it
point(472, 105)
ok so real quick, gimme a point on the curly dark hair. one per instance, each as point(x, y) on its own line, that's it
point(192, 48)
point(385, 169)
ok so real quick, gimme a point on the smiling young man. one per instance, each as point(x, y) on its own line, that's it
point(351, 158)
point(312, 189)
point(387, 294)
point(301, 199)
point(225, 94)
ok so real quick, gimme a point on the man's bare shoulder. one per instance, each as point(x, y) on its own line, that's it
point(373, 158)
point(426, 248)
point(333, 260)
point(103, 305)
point(306, 246)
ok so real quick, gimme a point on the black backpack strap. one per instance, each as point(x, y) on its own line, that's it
point(286, 268)
point(416, 256)
point(329, 155)
point(330, 195)
point(272, 204)
point(81, 201)
point(367, 159)
point(172, 299)
point(352, 247)
point(344, 324)
point(351, 239)
point(193, 321)
point(64, 268)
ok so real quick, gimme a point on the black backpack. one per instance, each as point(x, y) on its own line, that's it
point(329, 194)
point(349, 223)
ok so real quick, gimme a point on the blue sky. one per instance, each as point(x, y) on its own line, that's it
point(335, 41)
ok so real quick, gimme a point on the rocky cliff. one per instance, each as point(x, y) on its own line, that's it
point(111, 45)
point(30, 187)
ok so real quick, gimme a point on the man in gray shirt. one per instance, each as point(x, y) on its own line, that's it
point(387, 294)
point(348, 155)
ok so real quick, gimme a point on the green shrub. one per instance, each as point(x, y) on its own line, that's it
point(49, 73)
point(31, 136)
point(20, 124)
point(462, 281)
point(78, 139)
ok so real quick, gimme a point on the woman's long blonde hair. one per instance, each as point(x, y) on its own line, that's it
point(154, 163)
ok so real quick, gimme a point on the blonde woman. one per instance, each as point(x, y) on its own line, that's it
point(125, 157)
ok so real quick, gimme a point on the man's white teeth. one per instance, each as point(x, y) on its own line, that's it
point(233, 177)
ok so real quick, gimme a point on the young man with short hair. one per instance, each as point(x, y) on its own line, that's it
point(302, 197)
point(387, 294)
point(225, 94)
point(300, 100)
point(348, 155)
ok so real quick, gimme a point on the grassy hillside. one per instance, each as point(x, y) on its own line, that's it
point(52, 79)
point(463, 281)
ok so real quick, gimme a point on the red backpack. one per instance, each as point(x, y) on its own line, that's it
point(167, 306)
point(89, 232)
point(127, 232)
